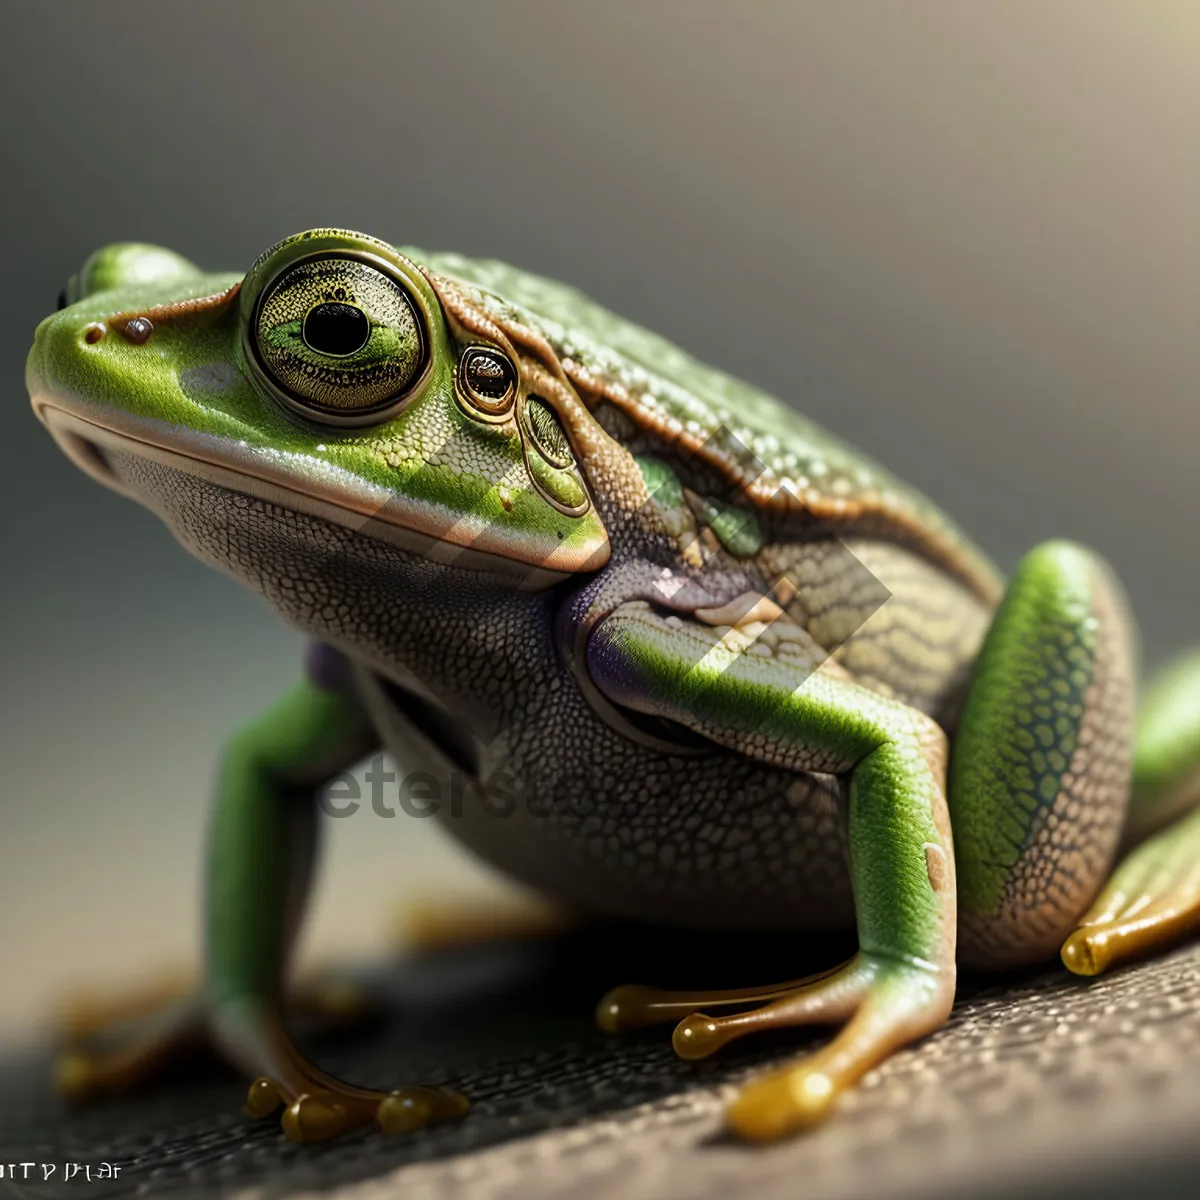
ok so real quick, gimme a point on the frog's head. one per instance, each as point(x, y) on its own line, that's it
point(339, 378)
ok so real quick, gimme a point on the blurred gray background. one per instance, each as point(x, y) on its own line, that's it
point(975, 229)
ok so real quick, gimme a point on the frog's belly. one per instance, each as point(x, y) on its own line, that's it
point(712, 842)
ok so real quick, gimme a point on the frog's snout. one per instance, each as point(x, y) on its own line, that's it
point(58, 358)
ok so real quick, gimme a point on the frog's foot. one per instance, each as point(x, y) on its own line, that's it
point(316, 1106)
point(1152, 900)
point(884, 1002)
point(120, 1044)
point(117, 1047)
point(454, 922)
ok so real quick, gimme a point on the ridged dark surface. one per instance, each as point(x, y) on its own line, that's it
point(1050, 1084)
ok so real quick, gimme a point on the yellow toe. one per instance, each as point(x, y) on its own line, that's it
point(263, 1098)
point(410, 1108)
point(403, 1111)
point(781, 1105)
point(624, 1008)
point(317, 1117)
point(1080, 953)
point(697, 1036)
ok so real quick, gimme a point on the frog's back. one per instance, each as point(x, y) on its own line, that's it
point(777, 459)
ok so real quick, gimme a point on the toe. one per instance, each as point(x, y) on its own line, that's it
point(782, 1104)
point(410, 1108)
point(319, 1116)
point(264, 1097)
point(1079, 953)
point(697, 1036)
point(321, 1113)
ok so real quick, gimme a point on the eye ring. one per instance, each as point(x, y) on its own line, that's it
point(487, 381)
point(307, 406)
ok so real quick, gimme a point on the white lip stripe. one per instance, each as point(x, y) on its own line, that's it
point(258, 471)
point(75, 434)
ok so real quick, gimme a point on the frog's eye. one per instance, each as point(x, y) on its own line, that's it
point(341, 339)
point(487, 380)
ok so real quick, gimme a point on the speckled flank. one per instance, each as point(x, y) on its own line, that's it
point(1042, 761)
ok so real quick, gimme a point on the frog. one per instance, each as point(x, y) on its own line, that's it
point(699, 663)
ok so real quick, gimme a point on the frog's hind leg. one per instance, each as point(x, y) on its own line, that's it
point(1153, 897)
point(1039, 782)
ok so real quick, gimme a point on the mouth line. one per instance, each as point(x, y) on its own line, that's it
point(366, 509)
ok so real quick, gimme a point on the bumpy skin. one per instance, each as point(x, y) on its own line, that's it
point(1042, 764)
point(689, 659)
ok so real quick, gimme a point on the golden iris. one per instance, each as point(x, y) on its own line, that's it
point(340, 336)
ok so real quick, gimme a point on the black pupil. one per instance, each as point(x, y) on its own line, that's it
point(336, 329)
point(489, 376)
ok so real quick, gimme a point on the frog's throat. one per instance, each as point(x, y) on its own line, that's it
point(320, 489)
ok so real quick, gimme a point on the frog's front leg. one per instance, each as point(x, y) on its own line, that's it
point(258, 866)
point(263, 839)
point(790, 709)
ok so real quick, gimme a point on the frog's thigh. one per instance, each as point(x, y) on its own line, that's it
point(1154, 896)
point(1039, 782)
point(795, 712)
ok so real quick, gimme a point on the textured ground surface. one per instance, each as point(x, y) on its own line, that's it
point(1047, 1085)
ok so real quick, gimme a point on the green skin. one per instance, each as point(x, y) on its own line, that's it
point(483, 575)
